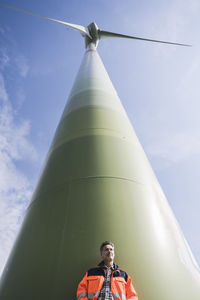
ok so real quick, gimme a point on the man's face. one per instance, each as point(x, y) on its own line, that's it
point(108, 253)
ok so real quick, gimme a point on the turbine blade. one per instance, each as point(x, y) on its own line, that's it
point(82, 29)
point(105, 34)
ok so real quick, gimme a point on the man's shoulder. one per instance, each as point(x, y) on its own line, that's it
point(120, 273)
point(96, 271)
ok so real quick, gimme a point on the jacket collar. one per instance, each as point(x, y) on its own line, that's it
point(115, 266)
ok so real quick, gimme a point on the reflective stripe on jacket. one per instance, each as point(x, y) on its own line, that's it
point(121, 286)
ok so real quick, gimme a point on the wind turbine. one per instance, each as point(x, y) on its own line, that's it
point(97, 184)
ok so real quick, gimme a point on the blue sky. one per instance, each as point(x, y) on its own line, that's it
point(157, 84)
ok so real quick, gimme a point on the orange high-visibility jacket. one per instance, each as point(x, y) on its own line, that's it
point(121, 286)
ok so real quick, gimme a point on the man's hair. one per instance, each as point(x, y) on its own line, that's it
point(104, 244)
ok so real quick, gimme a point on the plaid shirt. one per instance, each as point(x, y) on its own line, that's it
point(105, 293)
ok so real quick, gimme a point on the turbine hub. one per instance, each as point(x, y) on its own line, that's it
point(94, 33)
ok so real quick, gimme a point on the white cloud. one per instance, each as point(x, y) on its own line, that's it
point(22, 65)
point(3, 93)
point(4, 59)
point(15, 191)
point(15, 187)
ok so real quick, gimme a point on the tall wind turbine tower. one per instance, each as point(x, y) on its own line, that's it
point(97, 185)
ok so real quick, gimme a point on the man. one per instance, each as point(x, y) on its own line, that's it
point(106, 281)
